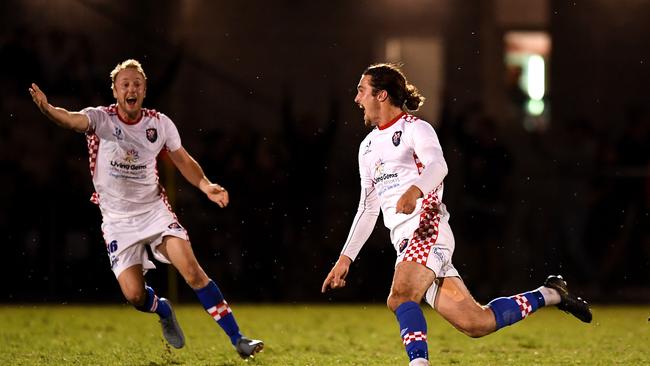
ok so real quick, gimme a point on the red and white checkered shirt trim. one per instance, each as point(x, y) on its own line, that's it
point(426, 234)
point(524, 305)
point(94, 198)
point(93, 148)
point(222, 309)
point(165, 199)
point(418, 163)
point(409, 118)
point(414, 337)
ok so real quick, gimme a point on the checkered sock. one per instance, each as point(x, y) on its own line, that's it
point(212, 300)
point(509, 310)
point(152, 305)
point(413, 329)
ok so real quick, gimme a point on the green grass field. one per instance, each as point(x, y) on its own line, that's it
point(313, 335)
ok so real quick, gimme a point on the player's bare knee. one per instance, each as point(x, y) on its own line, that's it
point(397, 297)
point(135, 297)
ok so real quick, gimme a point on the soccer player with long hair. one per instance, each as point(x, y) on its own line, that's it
point(402, 169)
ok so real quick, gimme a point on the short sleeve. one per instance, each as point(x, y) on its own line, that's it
point(98, 122)
point(172, 137)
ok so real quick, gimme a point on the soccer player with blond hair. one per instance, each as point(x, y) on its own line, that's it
point(124, 140)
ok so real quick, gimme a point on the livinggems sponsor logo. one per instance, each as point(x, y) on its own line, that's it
point(134, 167)
point(385, 176)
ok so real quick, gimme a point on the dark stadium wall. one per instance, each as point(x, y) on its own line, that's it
point(236, 76)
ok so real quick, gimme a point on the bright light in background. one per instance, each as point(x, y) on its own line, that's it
point(535, 84)
point(528, 51)
point(535, 107)
point(535, 77)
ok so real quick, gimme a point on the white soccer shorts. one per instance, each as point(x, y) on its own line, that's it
point(433, 250)
point(126, 237)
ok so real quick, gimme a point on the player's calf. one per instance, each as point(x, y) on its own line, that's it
point(477, 324)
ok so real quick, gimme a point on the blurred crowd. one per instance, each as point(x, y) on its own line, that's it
point(571, 198)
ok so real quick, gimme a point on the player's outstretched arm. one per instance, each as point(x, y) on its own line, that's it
point(193, 172)
point(336, 277)
point(73, 120)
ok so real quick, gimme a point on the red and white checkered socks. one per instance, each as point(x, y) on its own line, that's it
point(212, 300)
point(413, 329)
point(509, 310)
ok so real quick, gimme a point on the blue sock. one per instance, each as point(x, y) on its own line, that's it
point(212, 300)
point(413, 329)
point(152, 305)
point(509, 310)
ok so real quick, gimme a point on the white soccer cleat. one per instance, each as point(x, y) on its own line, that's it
point(419, 362)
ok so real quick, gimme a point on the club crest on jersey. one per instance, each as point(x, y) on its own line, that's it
point(152, 134)
point(397, 138)
point(403, 245)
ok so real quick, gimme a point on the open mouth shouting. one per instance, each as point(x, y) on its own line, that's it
point(131, 101)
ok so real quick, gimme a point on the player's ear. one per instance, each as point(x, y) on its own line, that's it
point(382, 95)
point(114, 92)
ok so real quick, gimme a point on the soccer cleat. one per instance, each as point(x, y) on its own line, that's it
point(170, 328)
point(419, 362)
point(572, 304)
point(247, 348)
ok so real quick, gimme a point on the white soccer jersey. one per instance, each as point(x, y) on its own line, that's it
point(404, 152)
point(123, 158)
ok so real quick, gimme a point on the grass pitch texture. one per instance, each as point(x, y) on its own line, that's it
point(315, 335)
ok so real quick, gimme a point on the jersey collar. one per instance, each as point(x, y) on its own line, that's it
point(392, 122)
point(130, 122)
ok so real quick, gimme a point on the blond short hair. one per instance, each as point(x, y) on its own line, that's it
point(130, 63)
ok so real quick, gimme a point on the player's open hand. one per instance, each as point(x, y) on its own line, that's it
point(406, 203)
point(217, 194)
point(39, 98)
point(336, 277)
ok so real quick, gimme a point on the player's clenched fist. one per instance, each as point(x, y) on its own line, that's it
point(406, 203)
point(336, 277)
